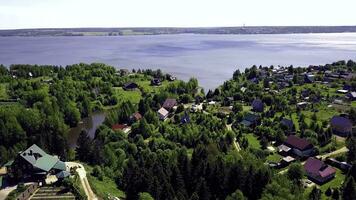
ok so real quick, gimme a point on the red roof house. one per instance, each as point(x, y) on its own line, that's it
point(318, 171)
point(121, 127)
point(300, 146)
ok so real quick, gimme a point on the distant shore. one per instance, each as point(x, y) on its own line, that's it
point(173, 30)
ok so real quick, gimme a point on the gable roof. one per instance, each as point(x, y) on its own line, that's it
point(287, 122)
point(251, 117)
point(317, 167)
point(299, 143)
point(162, 111)
point(257, 104)
point(169, 103)
point(32, 154)
point(38, 158)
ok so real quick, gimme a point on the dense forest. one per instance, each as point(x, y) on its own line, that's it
point(202, 154)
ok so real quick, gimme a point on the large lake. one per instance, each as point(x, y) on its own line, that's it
point(210, 58)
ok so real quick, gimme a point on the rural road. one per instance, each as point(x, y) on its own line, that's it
point(83, 179)
point(342, 150)
point(338, 151)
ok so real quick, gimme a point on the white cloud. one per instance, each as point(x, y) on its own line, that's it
point(173, 13)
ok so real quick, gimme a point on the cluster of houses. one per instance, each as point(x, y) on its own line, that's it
point(294, 147)
point(34, 164)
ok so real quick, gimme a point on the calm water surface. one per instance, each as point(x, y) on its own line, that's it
point(210, 58)
point(90, 124)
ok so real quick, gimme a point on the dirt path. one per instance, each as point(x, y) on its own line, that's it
point(5, 192)
point(236, 144)
point(338, 151)
point(83, 179)
point(342, 150)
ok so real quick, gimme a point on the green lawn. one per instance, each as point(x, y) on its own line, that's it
point(3, 93)
point(275, 157)
point(246, 108)
point(133, 96)
point(105, 188)
point(253, 141)
point(353, 104)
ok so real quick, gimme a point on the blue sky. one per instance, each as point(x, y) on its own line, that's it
point(173, 13)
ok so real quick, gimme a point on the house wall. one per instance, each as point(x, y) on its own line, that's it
point(305, 153)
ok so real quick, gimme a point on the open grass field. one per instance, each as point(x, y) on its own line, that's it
point(275, 157)
point(253, 141)
point(133, 96)
point(3, 93)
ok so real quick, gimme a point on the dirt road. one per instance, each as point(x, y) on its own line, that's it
point(83, 179)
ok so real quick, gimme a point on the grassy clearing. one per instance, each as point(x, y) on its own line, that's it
point(3, 93)
point(246, 108)
point(275, 157)
point(133, 96)
point(253, 141)
point(103, 188)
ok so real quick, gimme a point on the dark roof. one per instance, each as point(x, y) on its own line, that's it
point(338, 121)
point(185, 119)
point(257, 105)
point(251, 117)
point(288, 123)
point(318, 168)
point(299, 143)
point(169, 103)
point(130, 85)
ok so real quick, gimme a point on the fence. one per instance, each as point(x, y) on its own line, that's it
point(28, 192)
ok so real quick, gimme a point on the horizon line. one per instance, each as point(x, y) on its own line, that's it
point(174, 27)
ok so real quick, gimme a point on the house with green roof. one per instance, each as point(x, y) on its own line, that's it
point(35, 163)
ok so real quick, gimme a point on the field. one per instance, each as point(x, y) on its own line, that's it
point(253, 141)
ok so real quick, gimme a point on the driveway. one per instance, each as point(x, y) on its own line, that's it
point(83, 179)
point(6, 191)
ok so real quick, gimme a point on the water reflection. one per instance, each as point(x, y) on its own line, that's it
point(90, 124)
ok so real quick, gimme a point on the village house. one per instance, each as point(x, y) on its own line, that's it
point(257, 105)
point(162, 113)
point(318, 171)
point(298, 146)
point(309, 78)
point(130, 86)
point(185, 118)
point(288, 124)
point(156, 82)
point(341, 165)
point(169, 104)
point(302, 105)
point(171, 78)
point(36, 164)
point(251, 120)
point(135, 117)
point(351, 96)
point(121, 127)
point(341, 126)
